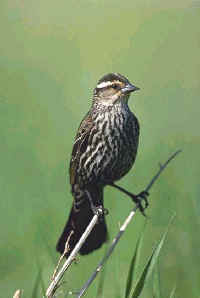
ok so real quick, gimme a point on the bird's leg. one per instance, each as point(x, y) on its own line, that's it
point(135, 198)
point(97, 210)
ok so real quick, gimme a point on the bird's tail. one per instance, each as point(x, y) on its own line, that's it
point(78, 221)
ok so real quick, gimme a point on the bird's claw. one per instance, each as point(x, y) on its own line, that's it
point(138, 200)
point(99, 210)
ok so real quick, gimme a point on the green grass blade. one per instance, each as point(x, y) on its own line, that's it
point(36, 285)
point(172, 294)
point(150, 264)
point(133, 265)
point(156, 283)
point(43, 289)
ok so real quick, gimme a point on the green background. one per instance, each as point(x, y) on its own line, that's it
point(51, 55)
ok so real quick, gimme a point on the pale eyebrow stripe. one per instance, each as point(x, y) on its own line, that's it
point(104, 84)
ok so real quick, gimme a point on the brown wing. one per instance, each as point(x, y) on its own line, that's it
point(80, 145)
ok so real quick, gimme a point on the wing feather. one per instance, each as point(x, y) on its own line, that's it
point(80, 146)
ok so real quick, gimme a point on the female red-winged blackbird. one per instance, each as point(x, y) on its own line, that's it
point(104, 150)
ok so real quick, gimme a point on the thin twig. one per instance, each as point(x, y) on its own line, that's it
point(162, 167)
point(122, 229)
point(63, 255)
point(54, 284)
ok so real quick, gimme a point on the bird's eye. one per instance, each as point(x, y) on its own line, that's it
point(116, 86)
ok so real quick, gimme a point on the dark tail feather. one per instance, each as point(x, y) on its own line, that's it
point(78, 221)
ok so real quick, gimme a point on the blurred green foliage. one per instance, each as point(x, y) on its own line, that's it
point(51, 56)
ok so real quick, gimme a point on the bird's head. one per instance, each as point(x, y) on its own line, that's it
point(113, 88)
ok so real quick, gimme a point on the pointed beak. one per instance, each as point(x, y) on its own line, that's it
point(129, 88)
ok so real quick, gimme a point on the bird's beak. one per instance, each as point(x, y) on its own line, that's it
point(129, 88)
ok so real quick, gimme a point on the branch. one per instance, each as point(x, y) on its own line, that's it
point(122, 229)
point(54, 284)
point(162, 167)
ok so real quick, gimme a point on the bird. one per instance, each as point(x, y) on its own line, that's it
point(104, 151)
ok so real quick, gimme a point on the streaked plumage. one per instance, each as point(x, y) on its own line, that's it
point(104, 150)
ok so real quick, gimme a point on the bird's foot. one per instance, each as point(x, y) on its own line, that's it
point(142, 196)
point(99, 210)
point(139, 198)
